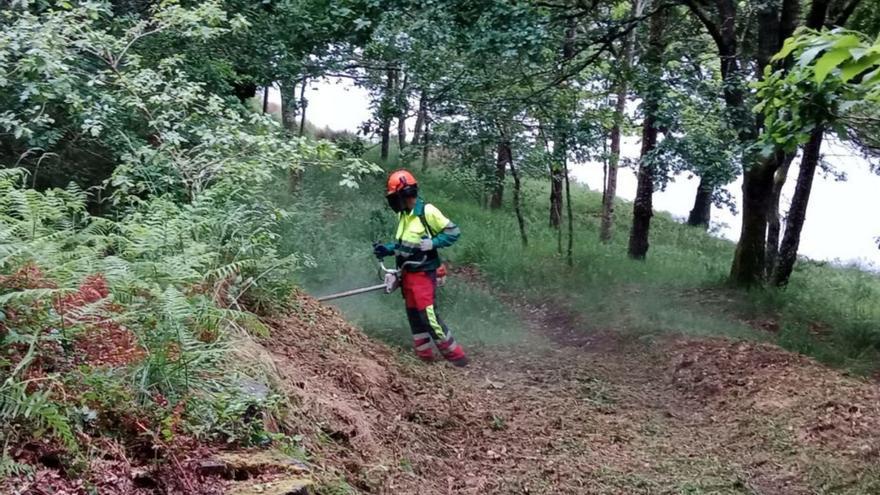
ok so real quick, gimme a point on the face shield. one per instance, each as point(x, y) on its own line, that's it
point(397, 200)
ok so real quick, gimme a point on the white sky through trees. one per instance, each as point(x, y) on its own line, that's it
point(843, 218)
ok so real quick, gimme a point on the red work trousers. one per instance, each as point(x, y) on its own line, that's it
point(428, 330)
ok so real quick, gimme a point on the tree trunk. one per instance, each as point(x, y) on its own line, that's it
point(426, 142)
point(502, 161)
point(780, 258)
point(604, 167)
point(619, 110)
point(288, 105)
point(555, 196)
point(555, 182)
point(749, 259)
point(701, 213)
point(420, 120)
point(774, 21)
point(797, 213)
point(294, 179)
point(517, 204)
point(643, 208)
point(559, 176)
point(303, 104)
point(386, 113)
point(402, 109)
point(610, 190)
point(401, 132)
point(563, 136)
point(569, 253)
point(773, 221)
point(265, 99)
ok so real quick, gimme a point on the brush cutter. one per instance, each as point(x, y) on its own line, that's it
point(390, 277)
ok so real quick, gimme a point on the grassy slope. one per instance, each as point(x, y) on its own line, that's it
point(826, 312)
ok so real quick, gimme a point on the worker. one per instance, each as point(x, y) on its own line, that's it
point(421, 230)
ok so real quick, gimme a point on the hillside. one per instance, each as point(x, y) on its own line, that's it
point(163, 239)
point(612, 376)
point(565, 410)
point(617, 376)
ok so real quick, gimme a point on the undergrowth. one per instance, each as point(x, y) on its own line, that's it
point(125, 327)
point(130, 330)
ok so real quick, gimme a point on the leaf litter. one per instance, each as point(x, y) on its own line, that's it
point(574, 410)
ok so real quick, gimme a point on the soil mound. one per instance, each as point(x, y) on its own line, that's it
point(361, 407)
point(822, 406)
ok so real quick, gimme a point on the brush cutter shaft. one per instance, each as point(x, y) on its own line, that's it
point(391, 278)
point(352, 292)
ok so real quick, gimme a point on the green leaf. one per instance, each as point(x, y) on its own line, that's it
point(849, 71)
point(809, 55)
point(787, 47)
point(847, 41)
point(830, 61)
point(858, 52)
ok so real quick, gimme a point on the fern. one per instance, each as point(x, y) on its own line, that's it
point(29, 295)
point(36, 409)
point(228, 270)
point(9, 468)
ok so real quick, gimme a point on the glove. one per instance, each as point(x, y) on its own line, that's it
point(382, 250)
point(426, 244)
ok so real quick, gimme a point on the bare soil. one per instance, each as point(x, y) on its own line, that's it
point(577, 410)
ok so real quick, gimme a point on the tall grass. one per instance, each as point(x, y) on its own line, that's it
point(826, 312)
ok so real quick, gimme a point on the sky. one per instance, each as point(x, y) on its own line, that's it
point(843, 217)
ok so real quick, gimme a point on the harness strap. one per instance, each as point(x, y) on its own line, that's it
point(426, 225)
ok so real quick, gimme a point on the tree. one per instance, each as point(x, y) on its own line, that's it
point(836, 78)
point(620, 93)
point(744, 50)
point(504, 156)
point(643, 203)
point(387, 111)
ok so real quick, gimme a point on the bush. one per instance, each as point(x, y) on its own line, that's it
point(124, 324)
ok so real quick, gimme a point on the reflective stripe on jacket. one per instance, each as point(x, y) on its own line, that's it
point(411, 230)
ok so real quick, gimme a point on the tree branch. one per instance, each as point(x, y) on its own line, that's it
point(713, 29)
point(846, 13)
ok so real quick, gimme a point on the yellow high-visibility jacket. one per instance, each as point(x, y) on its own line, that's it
point(424, 221)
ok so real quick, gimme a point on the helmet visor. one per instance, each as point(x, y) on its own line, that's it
point(396, 202)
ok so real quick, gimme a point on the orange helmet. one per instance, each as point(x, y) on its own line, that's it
point(400, 180)
point(401, 185)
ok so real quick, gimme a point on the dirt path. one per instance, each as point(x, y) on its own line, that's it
point(579, 410)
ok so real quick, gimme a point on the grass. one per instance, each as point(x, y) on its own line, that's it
point(827, 312)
